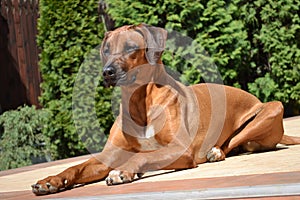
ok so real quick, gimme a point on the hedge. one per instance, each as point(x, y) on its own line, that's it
point(68, 31)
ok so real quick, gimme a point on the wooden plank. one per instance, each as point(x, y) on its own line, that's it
point(12, 47)
point(31, 48)
point(21, 18)
point(25, 35)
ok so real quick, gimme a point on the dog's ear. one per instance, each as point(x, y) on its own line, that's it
point(155, 38)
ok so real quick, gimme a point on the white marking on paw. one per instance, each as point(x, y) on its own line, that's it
point(114, 173)
point(114, 177)
point(216, 151)
point(214, 154)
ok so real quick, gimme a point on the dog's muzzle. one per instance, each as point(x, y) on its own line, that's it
point(115, 76)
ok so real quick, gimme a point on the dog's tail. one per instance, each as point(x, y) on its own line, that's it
point(290, 140)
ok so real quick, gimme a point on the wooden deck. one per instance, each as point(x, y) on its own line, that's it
point(267, 175)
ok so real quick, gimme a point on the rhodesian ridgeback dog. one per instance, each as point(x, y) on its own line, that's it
point(164, 124)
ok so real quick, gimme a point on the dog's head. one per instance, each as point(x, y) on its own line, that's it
point(128, 47)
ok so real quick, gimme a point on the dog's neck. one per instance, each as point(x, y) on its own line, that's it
point(136, 92)
point(138, 97)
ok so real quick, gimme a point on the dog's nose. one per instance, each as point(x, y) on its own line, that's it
point(109, 72)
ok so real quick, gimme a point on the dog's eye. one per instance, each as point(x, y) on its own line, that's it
point(106, 50)
point(131, 48)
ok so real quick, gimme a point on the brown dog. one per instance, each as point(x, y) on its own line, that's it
point(164, 124)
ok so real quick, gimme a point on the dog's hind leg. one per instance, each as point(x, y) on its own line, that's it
point(264, 132)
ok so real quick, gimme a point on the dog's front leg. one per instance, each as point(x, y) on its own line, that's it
point(94, 169)
point(167, 158)
point(89, 171)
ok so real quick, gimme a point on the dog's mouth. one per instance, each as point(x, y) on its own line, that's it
point(119, 77)
point(109, 82)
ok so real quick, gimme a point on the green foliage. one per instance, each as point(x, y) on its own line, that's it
point(253, 43)
point(269, 88)
point(279, 34)
point(21, 138)
point(68, 30)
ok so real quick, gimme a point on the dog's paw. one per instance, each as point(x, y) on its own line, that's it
point(118, 177)
point(49, 185)
point(215, 154)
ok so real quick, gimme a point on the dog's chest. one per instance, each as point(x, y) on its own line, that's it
point(147, 139)
point(148, 142)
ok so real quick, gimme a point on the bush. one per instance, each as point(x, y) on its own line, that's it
point(278, 36)
point(68, 31)
point(21, 139)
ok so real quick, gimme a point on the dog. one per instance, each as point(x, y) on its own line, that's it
point(164, 124)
